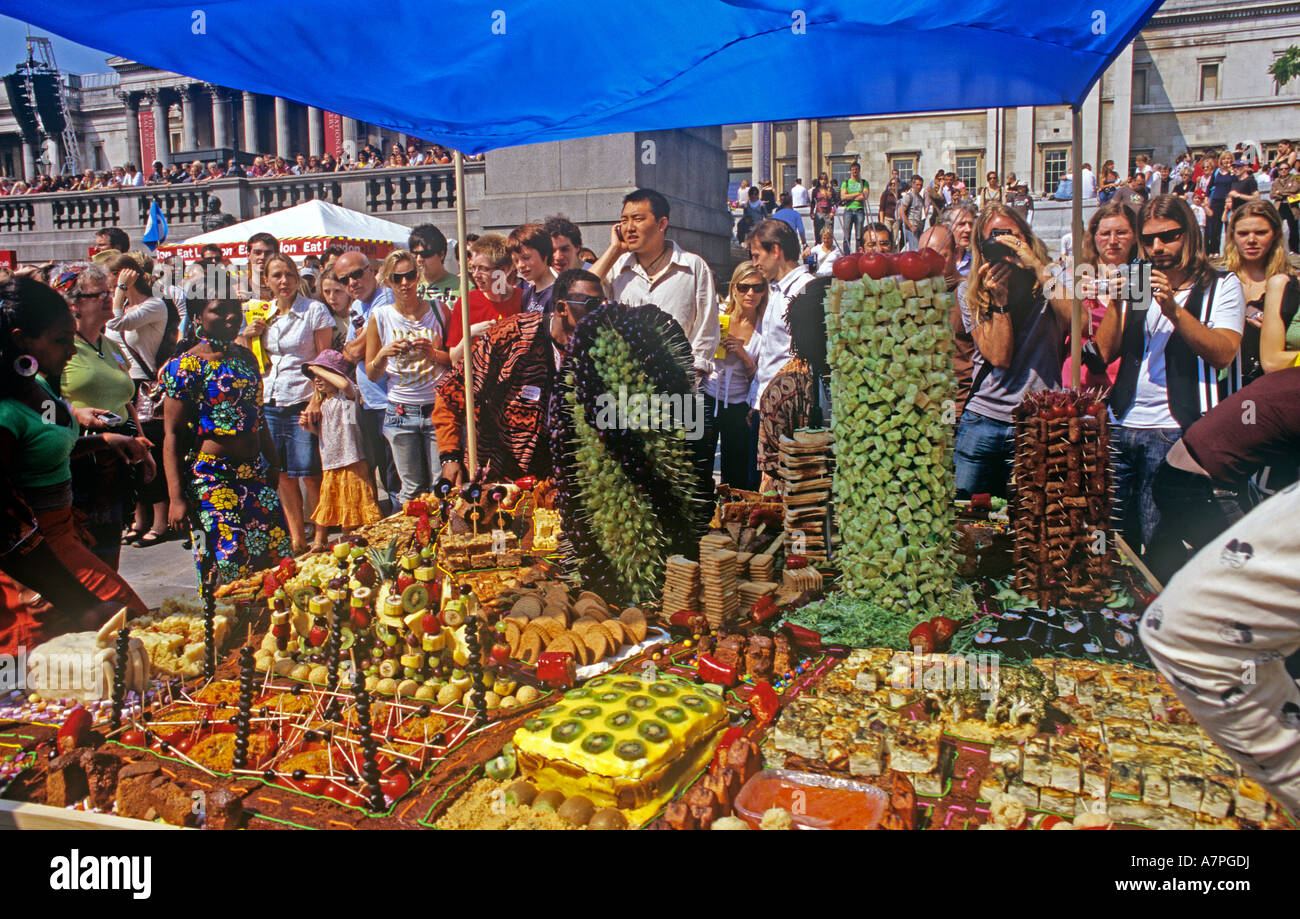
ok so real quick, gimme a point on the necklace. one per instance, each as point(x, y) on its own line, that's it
point(650, 269)
point(98, 346)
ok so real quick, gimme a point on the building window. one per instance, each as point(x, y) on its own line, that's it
point(906, 166)
point(736, 176)
point(97, 154)
point(840, 170)
point(1209, 82)
point(1054, 166)
point(1290, 88)
point(1140, 87)
point(968, 170)
point(788, 176)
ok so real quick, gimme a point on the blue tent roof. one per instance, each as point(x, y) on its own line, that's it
point(476, 77)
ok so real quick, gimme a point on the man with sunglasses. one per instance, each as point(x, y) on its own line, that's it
point(514, 365)
point(1174, 343)
point(428, 244)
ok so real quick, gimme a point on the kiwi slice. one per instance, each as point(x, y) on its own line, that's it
point(609, 696)
point(415, 598)
point(598, 743)
point(640, 703)
point(629, 685)
point(712, 693)
point(672, 714)
point(580, 693)
point(346, 639)
point(663, 690)
point(552, 709)
point(586, 711)
point(598, 682)
point(620, 719)
point(652, 731)
point(301, 596)
point(537, 725)
point(694, 703)
point(630, 750)
point(565, 731)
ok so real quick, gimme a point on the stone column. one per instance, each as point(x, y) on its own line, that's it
point(189, 119)
point(315, 131)
point(282, 128)
point(992, 145)
point(762, 151)
point(250, 122)
point(222, 128)
point(131, 101)
point(1023, 164)
point(1121, 110)
point(804, 164)
point(161, 131)
point(350, 138)
point(29, 162)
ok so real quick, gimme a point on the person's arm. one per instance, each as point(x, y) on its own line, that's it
point(708, 331)
point(1110, 333)
point(994, 334)
point(1273, 354)
point(127, 318)
point(604, 265)
point(175, 433)
point(1218, 346)
point(377, 354)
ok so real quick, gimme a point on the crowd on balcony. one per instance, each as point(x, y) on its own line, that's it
point(416, 153)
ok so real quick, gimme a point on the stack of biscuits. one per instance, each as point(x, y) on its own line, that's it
point(719, 585)
point(805, 468)
point(762, 568)
point(681, 585)
point(750, 591)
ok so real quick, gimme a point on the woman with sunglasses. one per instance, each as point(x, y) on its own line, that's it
point(96, 379)
point(404, 340)
point(296, 332)
point(727, 386)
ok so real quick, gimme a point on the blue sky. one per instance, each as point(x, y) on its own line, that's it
point(70, 56)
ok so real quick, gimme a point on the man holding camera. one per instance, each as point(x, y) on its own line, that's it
point(1018, 330)
point(1173, 341)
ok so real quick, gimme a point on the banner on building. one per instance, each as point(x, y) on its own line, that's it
point(334, 134)
point(148, 152)
point(9, 258)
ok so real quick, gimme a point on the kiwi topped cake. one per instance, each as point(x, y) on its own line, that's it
point(623, 741)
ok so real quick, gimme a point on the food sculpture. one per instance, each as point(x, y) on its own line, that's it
point(79, 665)
point(626, 487)
point(1063, 552)
point(892, 390)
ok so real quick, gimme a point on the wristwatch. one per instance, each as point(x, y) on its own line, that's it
point(998, 309)
point(121, 287)
point(454, 456)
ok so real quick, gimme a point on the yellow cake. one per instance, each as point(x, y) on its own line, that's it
point(622, 741)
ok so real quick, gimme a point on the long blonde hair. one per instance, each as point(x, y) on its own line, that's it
point(976, 295)
point(1275, 261)
point(743, 270)
point(391, 262)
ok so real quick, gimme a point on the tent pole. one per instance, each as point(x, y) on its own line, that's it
point(462, 263)
point(1076, 246)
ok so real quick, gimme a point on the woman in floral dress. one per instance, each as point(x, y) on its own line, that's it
point(221, 464)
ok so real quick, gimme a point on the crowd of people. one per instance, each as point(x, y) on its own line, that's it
point(415, 153)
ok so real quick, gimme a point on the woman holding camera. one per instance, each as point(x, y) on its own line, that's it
point(295, 333)
point(1018, 317)
point(405, 340)
point(1110, 243)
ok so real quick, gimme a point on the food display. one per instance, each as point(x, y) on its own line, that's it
point(890, 350)
point(805, 464)
point(78, 666)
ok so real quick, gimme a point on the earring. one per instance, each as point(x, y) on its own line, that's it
point(26, 366)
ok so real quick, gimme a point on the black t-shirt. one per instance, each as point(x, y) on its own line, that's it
point(1232, 450)
point(1185, 188)
point(1246, 186)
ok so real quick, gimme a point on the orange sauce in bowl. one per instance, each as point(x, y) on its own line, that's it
point(813, 806)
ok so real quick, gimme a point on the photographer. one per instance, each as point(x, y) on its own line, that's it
point(1170, 357)
point(1018, 332)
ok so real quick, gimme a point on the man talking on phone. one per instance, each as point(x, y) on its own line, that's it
point(1174, 343)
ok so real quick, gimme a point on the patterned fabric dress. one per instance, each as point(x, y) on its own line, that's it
point(239, 526)
point(785, 407)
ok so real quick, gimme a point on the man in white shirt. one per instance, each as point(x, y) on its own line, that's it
point(799, 196)
point(775, 250)
point(643, 267)
point(132, 177)
point(1089, 182)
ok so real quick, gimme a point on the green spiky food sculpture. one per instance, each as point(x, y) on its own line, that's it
point(625, 482)
point(890, 352)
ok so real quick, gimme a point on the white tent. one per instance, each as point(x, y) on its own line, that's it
point(305, 229)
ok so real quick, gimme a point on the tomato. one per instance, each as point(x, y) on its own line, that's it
point(395, 785)
point(132, 738)
point(934, 261)
point(184, 745)
point(341, 793)
point(944, 628)
point(873, 265)
point(846, 268)
point(912, 266)
point(891, 261)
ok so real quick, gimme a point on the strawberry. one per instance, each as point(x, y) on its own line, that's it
point(316, 637)
point(404, 581)
point(360, 618)
point(75, 731)
point(922, 638)
point(270, 584)
point(500, 652)
point(430, 624)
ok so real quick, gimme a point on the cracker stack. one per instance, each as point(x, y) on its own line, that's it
point(750, 591)
point(681, 585)
point(805, 467)
point(801, 579)
point(717, 542)
point(719, 586)
point(762, 568)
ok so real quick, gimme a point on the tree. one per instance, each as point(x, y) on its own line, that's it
point(1286, 66)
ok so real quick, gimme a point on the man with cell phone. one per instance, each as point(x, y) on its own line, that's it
point(1177, 338)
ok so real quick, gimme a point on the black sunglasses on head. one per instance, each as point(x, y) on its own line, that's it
point(353, 276)
point(1168, 236)
point(401, 276)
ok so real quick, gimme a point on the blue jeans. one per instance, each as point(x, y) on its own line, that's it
point(852, 218)
point(1136, 454)
point(409, 432)
point(296, 446)
point(983, 452)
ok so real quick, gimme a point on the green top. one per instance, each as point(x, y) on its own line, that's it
point(95, 380)
point(1293, 333)
point(44, 445)
point(851, 187)
point(448, 284)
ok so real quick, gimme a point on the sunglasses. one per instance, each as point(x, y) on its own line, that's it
point(587, 303)
point(403, 276)
point(354, 276)
point(82, 295)
point(1168, 236)
point(750, 288)
point(424, 253)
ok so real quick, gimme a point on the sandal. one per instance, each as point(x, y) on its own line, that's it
point(130, 535)
point(150, 538)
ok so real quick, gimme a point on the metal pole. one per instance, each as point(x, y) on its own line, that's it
point(462, 263)
point(1076, 245)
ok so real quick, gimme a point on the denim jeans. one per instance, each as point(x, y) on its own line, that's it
point(409, 433)
point(378, 453)
point(983, 452)
point(852, 218)
point(1136, 454)
point(297, 447)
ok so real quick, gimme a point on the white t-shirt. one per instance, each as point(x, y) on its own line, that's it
point(411, 380)
point(825, 260)
point(770, 346)
point(1089, 184)
point(1150, 408)
point(799, 196)
point(290, 341)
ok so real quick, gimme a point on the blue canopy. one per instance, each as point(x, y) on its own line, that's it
point(475, 78)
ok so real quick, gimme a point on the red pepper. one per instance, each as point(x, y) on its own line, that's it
point(764, 609)
point(526, 483)
point(944, 628)
point(683, 618)
point(764, 703)
point(270, 584)
point(556, 667)
point(711, 670)
point(921, 638)
point(75, 731)
point(796, 561)
point(416, 509)
point(805, 638)
point(728, 737)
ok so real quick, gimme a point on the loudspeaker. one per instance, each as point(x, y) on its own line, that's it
point(23, 113)
point(47, 103)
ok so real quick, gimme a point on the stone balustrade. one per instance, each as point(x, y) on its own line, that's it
point(62, 225)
